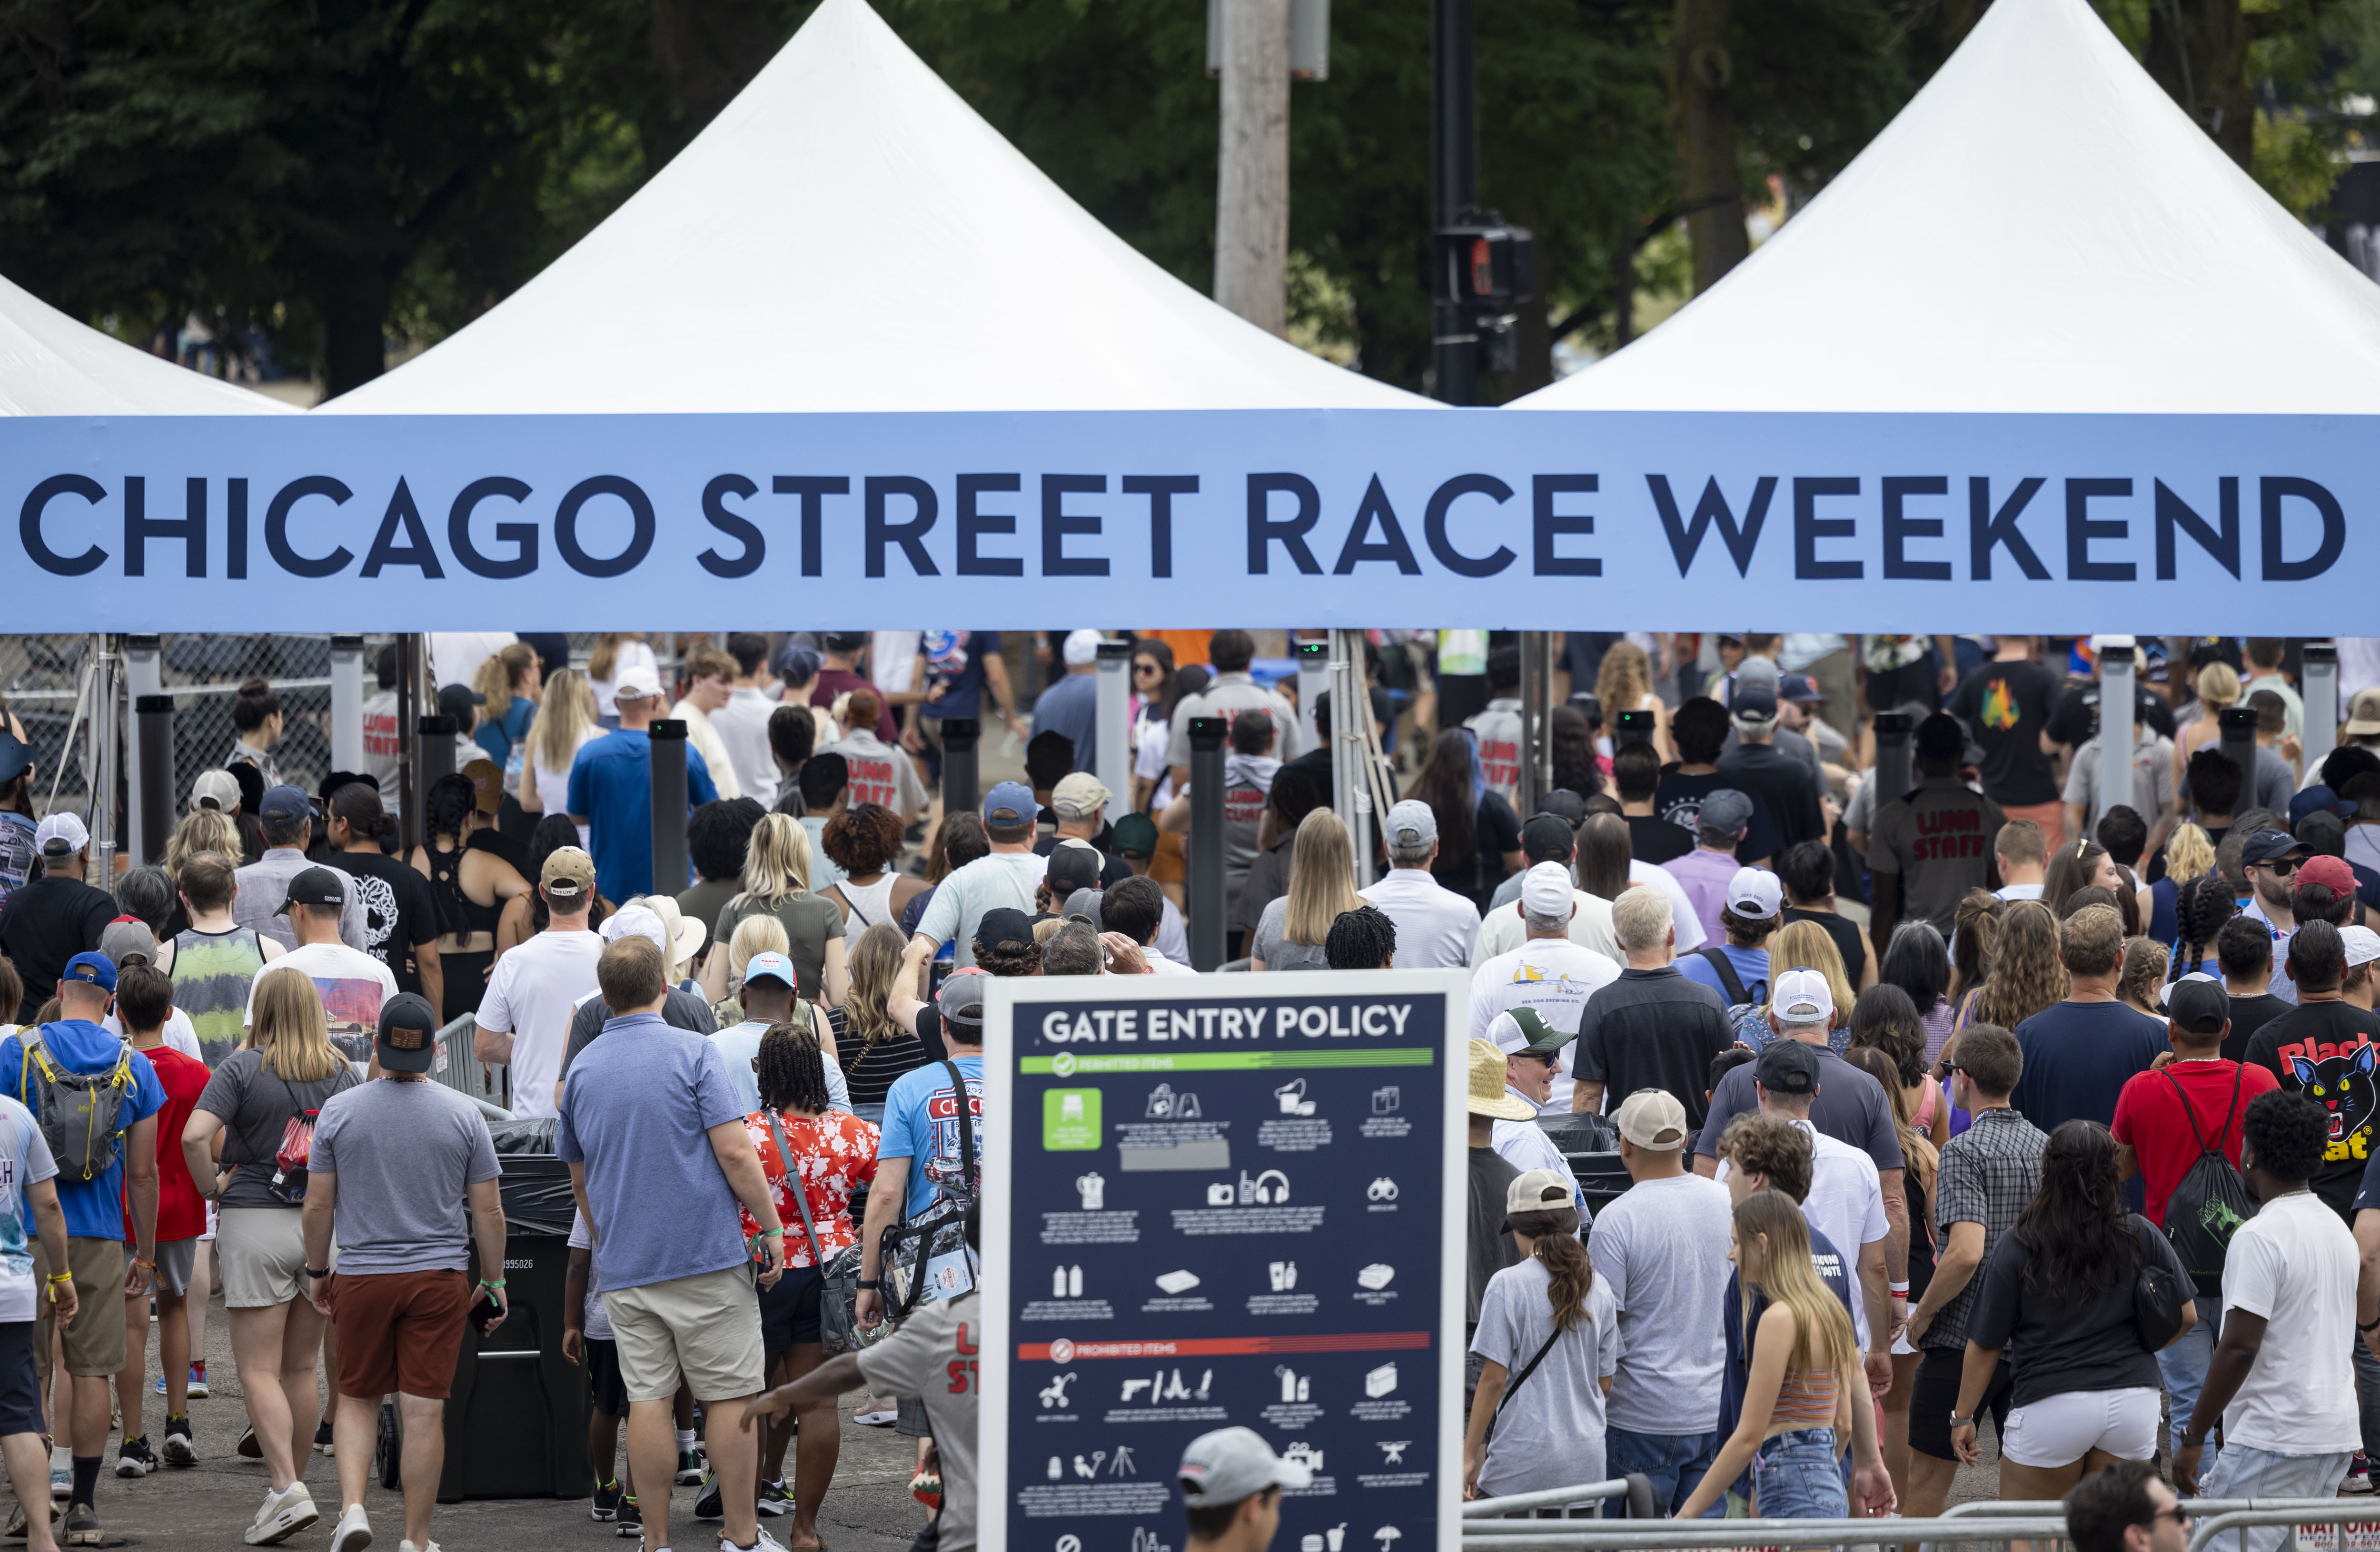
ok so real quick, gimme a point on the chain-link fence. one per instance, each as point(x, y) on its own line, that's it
point(44, 685)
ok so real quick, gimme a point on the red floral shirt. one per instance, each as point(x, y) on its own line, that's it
point(836, 1153)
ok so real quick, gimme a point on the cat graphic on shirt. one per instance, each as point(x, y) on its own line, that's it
point(2343, 1086)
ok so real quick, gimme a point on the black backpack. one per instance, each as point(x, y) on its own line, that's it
point(2210, 1202)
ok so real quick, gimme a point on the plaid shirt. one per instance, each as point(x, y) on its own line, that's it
point(1988, 1173)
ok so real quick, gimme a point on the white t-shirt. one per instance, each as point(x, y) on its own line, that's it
point(1524, 1146)
point(1156, 737)
point(180, 1033)
point(1160, 965)
point(1501, 929)
point(554, 786)
point(353, 984)
point(1847, 1204)
point(24, 1160)
point(892, 659)
point(632, 654)
point(1689, 926)
point(879, 774)
point(382, 746)
point(2294, 1263)
point(1551, 1433)
point(709, 745)
point(530, 997)
point(986, 884)
point(1662, 1248)
point(743, 727)
point(1555, 977)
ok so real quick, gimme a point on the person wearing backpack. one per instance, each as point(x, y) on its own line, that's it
point(264, 1100)
point(2179, 1128)
point(1753, 909)
point(96, 1100)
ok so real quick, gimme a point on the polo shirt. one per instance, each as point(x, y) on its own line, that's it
point(1436, 927)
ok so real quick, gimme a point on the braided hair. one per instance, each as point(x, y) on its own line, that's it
point(448, 807)
point(791, 1069)
point(2201, 906)
point(1360, 939)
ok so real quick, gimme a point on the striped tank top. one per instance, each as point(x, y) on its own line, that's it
point(1806, 1400)
point(211, 974)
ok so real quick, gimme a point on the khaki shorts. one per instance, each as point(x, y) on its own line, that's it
point(262, 1255)
point(705, 1330)
point(95, 1339)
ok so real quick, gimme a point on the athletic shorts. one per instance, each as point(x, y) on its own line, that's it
point(20, 1382)
point(95, 1337)
point(399, 1331)
point(790, 1312)
point(1934, 1397)
point(2059, 1430)
point(262, 1252)
point(603, 1381)
point(704, 1330)
point(177, 1262)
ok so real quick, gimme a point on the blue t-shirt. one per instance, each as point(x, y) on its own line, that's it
point(2078, 1056)
point(95, 1208)
point(611, 784)
point(1070, 708)
point(956, 658)
point(636, 1113)
point(1751, 968)
point(497, 735)
point(921, 1125)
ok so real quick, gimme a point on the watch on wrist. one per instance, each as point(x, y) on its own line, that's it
point(1959, 1422)
point(2190, 1443)
point(318, 1271)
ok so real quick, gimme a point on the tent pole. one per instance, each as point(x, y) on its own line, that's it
point(2319, 667)
point(142, 676)
point(1111, 735)
point(2115, 713)
point(1206, 882)
point(347, 703)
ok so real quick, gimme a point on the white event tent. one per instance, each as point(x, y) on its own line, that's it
point(2040, 230)
point(848, 234)
point(52, 365)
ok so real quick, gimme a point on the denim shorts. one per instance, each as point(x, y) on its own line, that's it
point(1796, 1476)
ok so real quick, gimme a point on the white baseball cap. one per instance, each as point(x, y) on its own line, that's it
point(218, 790)
point(1545, 890)
point(2363, 945)
point(1803, 997)
point(1234, 1463)
point(1755, 894)
point(636, 921)
point(1082, 646)
point(633, 684)
point(60, 834)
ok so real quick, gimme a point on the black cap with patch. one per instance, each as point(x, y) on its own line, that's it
point(409, 1033)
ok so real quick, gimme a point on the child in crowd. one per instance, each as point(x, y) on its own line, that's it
point(587, 1338)
point(144, 1001)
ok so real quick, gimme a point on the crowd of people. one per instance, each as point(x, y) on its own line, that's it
point(1933, 1103)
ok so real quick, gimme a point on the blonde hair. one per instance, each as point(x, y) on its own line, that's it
point(1623, 678)
point(1822, 1329)
point(776, 863)
point(287, 1026)
point(606, 655)
point(206, 829)
point(754, 935)
point(500, 672)
point(875, 964)
point(1803, 945)
point(2218, 686)
point(1321, 878)
point(2189, 852)
point(564, 712)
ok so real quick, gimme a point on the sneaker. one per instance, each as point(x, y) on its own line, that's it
point(322, 1438)
point(762, 1542)
point(690, 1469)
point(17, 1523)
point(82, 1525)
point(62, 1482)
point(282, 1514)
point(630, 1525)
point(136, 1458)
point(249, 1449)
point(197, 1382)
point(773, 1499)
point(178, 1450)
point(161, 1385)
point(708, 1503)
point(607, 1502)
point(2359, 1476)
point(876, 1411)
point(408, 1546)
point(354, 1531)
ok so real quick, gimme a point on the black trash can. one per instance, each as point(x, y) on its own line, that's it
point(516, 1421)
point(1590, 1146)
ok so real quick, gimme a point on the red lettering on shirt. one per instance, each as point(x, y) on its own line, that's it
point(2316, 1050)
point(944, 1106)
point(961, 1373)
point(872, 782)
point(966, 1344)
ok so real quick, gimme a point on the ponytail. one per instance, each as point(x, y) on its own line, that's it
point(1565, 1260)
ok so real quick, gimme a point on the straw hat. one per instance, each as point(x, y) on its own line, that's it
point(1487, 1093)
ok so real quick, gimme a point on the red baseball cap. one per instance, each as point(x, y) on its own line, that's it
point(2332, 873)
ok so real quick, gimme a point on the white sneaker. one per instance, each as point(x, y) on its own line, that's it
point(762, 1542)
point(876, 1412)
point(354, 1531)
point(408, 1546)
point(282, 1514)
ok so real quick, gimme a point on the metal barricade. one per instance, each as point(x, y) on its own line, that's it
point(459, 1067)
point(1727, 1536)
point(1550, 1498)
point(2294, 1512)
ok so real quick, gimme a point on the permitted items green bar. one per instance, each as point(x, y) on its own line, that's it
point(1067, 1064)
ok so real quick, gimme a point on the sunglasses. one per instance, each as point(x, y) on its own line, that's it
point(2177, 1513)
point(1146, 668)
point(2280, 867)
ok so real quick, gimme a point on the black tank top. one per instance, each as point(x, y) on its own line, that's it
point(462, 914)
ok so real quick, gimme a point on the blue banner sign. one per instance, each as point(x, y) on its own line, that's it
point(1209, 1204)
point(1514, 519)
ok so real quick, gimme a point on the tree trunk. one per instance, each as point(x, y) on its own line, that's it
point(355, 317)
point(2198, 52)
point(1700, 73)
point(1623, 286)
point(1252, 185)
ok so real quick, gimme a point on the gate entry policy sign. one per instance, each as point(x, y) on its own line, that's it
point(1213, 1203)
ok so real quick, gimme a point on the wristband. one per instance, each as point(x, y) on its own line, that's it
point(61, 1277)
point(1897, 1289)
point(323, 1272)
point(485, 1283)
point(871, 1284)
point(2198, 1443)
point(2373, 1327)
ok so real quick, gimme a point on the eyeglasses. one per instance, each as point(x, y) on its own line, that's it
point(2175, 1512)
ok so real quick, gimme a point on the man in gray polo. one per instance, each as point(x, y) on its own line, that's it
point(287, 816)
point(1436, 927)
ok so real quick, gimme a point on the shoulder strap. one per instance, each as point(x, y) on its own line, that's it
point(1531, 1367)
point(1717, 960)
point(966, 1127)
point(2192, 1116)
point(793, 1182)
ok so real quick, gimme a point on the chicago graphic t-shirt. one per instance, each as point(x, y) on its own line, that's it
point(24, 1160)
point(921, 1125)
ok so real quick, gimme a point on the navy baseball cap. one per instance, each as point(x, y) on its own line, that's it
point(285, 802)
point(15, 757)
point(95, 968)
point(1009, 804)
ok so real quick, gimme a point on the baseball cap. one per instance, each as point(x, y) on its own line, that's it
point(409, 1033)
point(1652, 1118)
point(1801, 689)
point(312, 886)
point(636, 921)
point(1753, 703)
point(1537, 1191)
point(218, 790)
point(1548, 835)
point(2324, 832)
point(455, 699)
point(2363, 945)
point(1230, 1464)
point(16, 757)
point(1009, 802)
point(1487, 1095)
point(1073, 864)
point(1523, 1031)
point(2204, 1007)
point(2332, 873)
point(1134, 836)
point(1941, 737)
point(95, 968)
point(1724, 811)
point(1755, 894)
point(568, 875)
point(1085, 902)
point(1082, 646)
point(844, 641)
point(2362, 715)
point(1545, 890)
point(1080, 796)
point(60, 834)
point(127, 938)
point(1758, 673)
point(2317, 798)
point(1802, 997)
point(1007, 927)
point(285, 802)
point(797, 664)
point(487, 784)
point(635, 683)
point(1412, 823)
point(961, 999)
point(2268, 845)
point(771, 967)
point(1788, 1067)
point(1566, 806)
